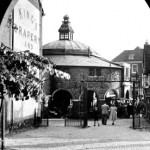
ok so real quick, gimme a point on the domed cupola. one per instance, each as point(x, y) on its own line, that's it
point(66, 45)
point(66, 31)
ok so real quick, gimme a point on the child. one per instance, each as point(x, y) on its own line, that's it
point(95, 114)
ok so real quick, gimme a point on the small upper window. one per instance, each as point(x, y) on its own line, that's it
point(66, 36)
point(94, 72)
point(98, 72)
point(127, 72)
point(131, 56)
point(61, 36)
point(134, 68)
point(91, 72)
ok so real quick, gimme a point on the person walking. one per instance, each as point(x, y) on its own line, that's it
point(105, 113)
point(95, 116)
point(113, 113)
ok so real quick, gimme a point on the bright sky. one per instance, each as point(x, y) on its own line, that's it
point(107, 26)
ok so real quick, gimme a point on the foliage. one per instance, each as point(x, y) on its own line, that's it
point(19, 72)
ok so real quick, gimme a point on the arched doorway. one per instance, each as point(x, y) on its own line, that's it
point(111, 96)
point(61, 99)
point(92, 99)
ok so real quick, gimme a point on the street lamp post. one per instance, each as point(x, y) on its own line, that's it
point(133, 103)
point(135, 83)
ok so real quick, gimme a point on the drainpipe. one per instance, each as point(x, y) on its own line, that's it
point(41, 14)
point(2, 117)
point(12, 46)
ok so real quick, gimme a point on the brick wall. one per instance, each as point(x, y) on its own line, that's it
point(74, 85)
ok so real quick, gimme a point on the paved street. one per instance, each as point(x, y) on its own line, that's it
point(121, 136)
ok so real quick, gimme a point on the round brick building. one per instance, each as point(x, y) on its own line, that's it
point(103, 79)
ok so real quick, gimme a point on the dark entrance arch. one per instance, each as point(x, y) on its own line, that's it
point(91, 101)
point(61, 99)
point(92, 98)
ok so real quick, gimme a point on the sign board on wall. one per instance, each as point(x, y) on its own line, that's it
point(27, 20)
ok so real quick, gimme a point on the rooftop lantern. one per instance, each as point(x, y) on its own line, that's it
point(65, 31)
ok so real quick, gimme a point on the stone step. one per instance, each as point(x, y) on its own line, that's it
point(53, 122)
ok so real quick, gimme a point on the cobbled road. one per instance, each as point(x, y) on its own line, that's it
point(121, 136)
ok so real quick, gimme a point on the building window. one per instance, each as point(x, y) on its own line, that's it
point(61, 36)
point(134, 68)
point(66, 36)
point(98, 72)
point(131, 56)
point(127, 72)
point(95, 72)
point(91, 72)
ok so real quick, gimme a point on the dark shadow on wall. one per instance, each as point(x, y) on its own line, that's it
point(3, 7)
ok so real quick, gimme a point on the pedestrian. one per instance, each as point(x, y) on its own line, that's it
point(105, 113)
point(95, 116)
point(129, 109)
point(113, 113)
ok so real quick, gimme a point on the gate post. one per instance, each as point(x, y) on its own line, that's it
point(85, 120)
point(133, 103)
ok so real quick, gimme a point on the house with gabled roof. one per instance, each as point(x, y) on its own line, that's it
point(135, 59)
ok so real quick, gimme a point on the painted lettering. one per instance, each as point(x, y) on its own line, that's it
point(28, 34)
point(31, 36)
point(20, 30)
point(24, 33)
point(27, 16)
point(20, 14)
point(35, 38)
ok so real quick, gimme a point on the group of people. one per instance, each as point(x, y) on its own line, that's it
point(107, 112)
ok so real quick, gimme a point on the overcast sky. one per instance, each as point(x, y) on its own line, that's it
point(107, 26)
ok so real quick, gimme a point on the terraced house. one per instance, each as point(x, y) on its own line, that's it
point(135, 59)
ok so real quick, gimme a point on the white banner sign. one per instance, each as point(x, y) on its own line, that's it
point(27, 20)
